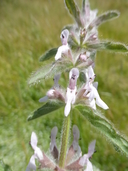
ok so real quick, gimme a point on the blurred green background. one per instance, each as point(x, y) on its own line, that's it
point(27, 29)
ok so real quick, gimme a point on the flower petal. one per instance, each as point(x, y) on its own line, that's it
point(73, 76)
point(67, 108)
point(74, 72)
point(99, 102)
point(64, 36)
point(91, 148)
point(38, 153)
point(31, 165)
point(83, 160)
point(50, 93)
point(62, 50)
point(43, 99)
point(93, 104)
point(53, 137)
point(89, 166)
point(91, 74)
point(34, 140)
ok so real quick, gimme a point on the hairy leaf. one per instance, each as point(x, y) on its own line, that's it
point(105, 127)
point(45, 109)
point(104, 18)
point(48, 55)
point(107, 45)
point(73, 10)
point(50, 70)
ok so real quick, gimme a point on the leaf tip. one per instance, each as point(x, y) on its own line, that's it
point(29, 118)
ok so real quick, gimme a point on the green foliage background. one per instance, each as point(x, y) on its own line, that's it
point(27, 29)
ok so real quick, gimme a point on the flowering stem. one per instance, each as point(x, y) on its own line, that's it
point(64, 140)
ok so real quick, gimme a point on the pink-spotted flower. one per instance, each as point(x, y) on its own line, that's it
point(64, 49)
point(71, 90)
point(84, 161)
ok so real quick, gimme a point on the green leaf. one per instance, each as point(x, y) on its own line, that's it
point(48, 55)
point(104, 18)
point(105, 127)
point(73, 10)
point(4, 167)
point(107, 45)
point(50, 70)
point(45, 109)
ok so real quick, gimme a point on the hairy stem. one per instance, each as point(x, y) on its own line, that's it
point(64, 141)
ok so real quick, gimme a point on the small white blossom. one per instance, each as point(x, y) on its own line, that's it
point(93, 96)
point(37, 151)
point(70, 99)
point(84, 161)
point(71, 90)
point(64, 49)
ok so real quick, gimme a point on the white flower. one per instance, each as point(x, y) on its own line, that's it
point(64, 36)
point(71, 90)
point(64, 49)
point(37, 151)
point(90, 74)
point(70, 99)
point(92, 94)
point(84, 161)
